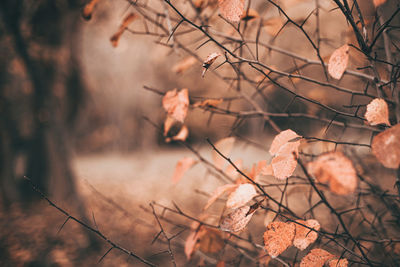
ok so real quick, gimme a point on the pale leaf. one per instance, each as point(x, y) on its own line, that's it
point(278, 237)
point(386, 147)
point(237, 220)
point(336, 169)
point(176, 104)
point(377, 112)
point(224, 146)
point(231, 9)
point(316, 258)
point(304, 236)
point(243, 194)
point(338, 263)
point(209, 61)
point(181, 135)
point(218, 193)
point(283, 139)
point(338, 62)
point(182, 166)
point(184, 64)
point(191, 244)
point(283, 166)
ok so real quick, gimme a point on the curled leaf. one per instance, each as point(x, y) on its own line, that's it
point(208, 103)
point(231, 9)
point(377, 112)
point(304, 236)
point(218, 193)
point(237, 220)
point(386, 147)
point(224, 146)
point(125, 23)
point(337, 170)
point(316, 258)
point(184, 64)
point(88, 9)
point(243, 194)
point(338, 62)
point(182, 166)
point(176, 104)
point(209, 61)
point(278, 237)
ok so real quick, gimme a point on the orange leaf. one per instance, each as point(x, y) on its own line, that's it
point(181, 167)
point(336, 169)
point(125, 23)
point(176, 104)
point(184, 64)
point(282, 139)
point(278, 237)
point(236, 220)
point(283, 166)
point(243, 194)
point(386, 147)
point(338, 263)
point(316, 258)
point(218, 193)
point(87, 11)
point(249, 15)
point(224, 146)
point(338, 62)
point(211, 241)
point(209, 61)
point(377, 112)
point(304, 236)
point(208, 103)
point(231, 9)
point(180, 136)
point(379, 2)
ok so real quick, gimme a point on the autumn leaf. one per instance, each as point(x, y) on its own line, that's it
point(88, 9)
point(191, 244)
point(338, 263)
point(278, 237)
point(283, 166)
point(182, 166)
point(169, 121)
point(337, 170)
point(208, 103)
point(176, 104)
point(218, 193)
point(224, 146)
point(249, 14)
point(184, 64)
point(316, 258)
point(211, 241)
point(281, 145)
point(386, 147)
point(243, 194)
point(377, 112)
point(209, 61)
point(237, 220)
point(338, 62)
point(125, 23)
point(180, 136)
point(231, 9)
point(304, 236)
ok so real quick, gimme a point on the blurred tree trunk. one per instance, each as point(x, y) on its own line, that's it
point(40, 92)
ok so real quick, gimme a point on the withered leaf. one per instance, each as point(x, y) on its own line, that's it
point(231, 9)
point(209, 61)
point(237, 220)
point(338, 263)
point(218, 193)
point(386, 147)
point(243, 194)
point(176, 104)
point(278, 237)
point(304, 236)
point(184, 64)
point(338, 62)
point(377, 112)
point(208, 103)
point(316, 258)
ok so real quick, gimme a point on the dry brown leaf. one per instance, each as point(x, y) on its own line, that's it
point(88, 9)
point(180, 136)
point(316, 258)
point(378, 2)
point(377, 112)
point(338, 263)
point(225, 146)
point(283, 139)
point(386, 147)
point(218, 193)
point(209, 61)
point(176, 104)
point(278, 237)
point(211, 241)
point(184, 64)
point(338, 62)
point(273, 25)
point(231, 9)
point(249, 15)
point(243, 194)
point(208, 103)
point(283, 166)
point(237, 220)
point(304, 236)
point(336, 169)
point(182, 166)
point(125, 23)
